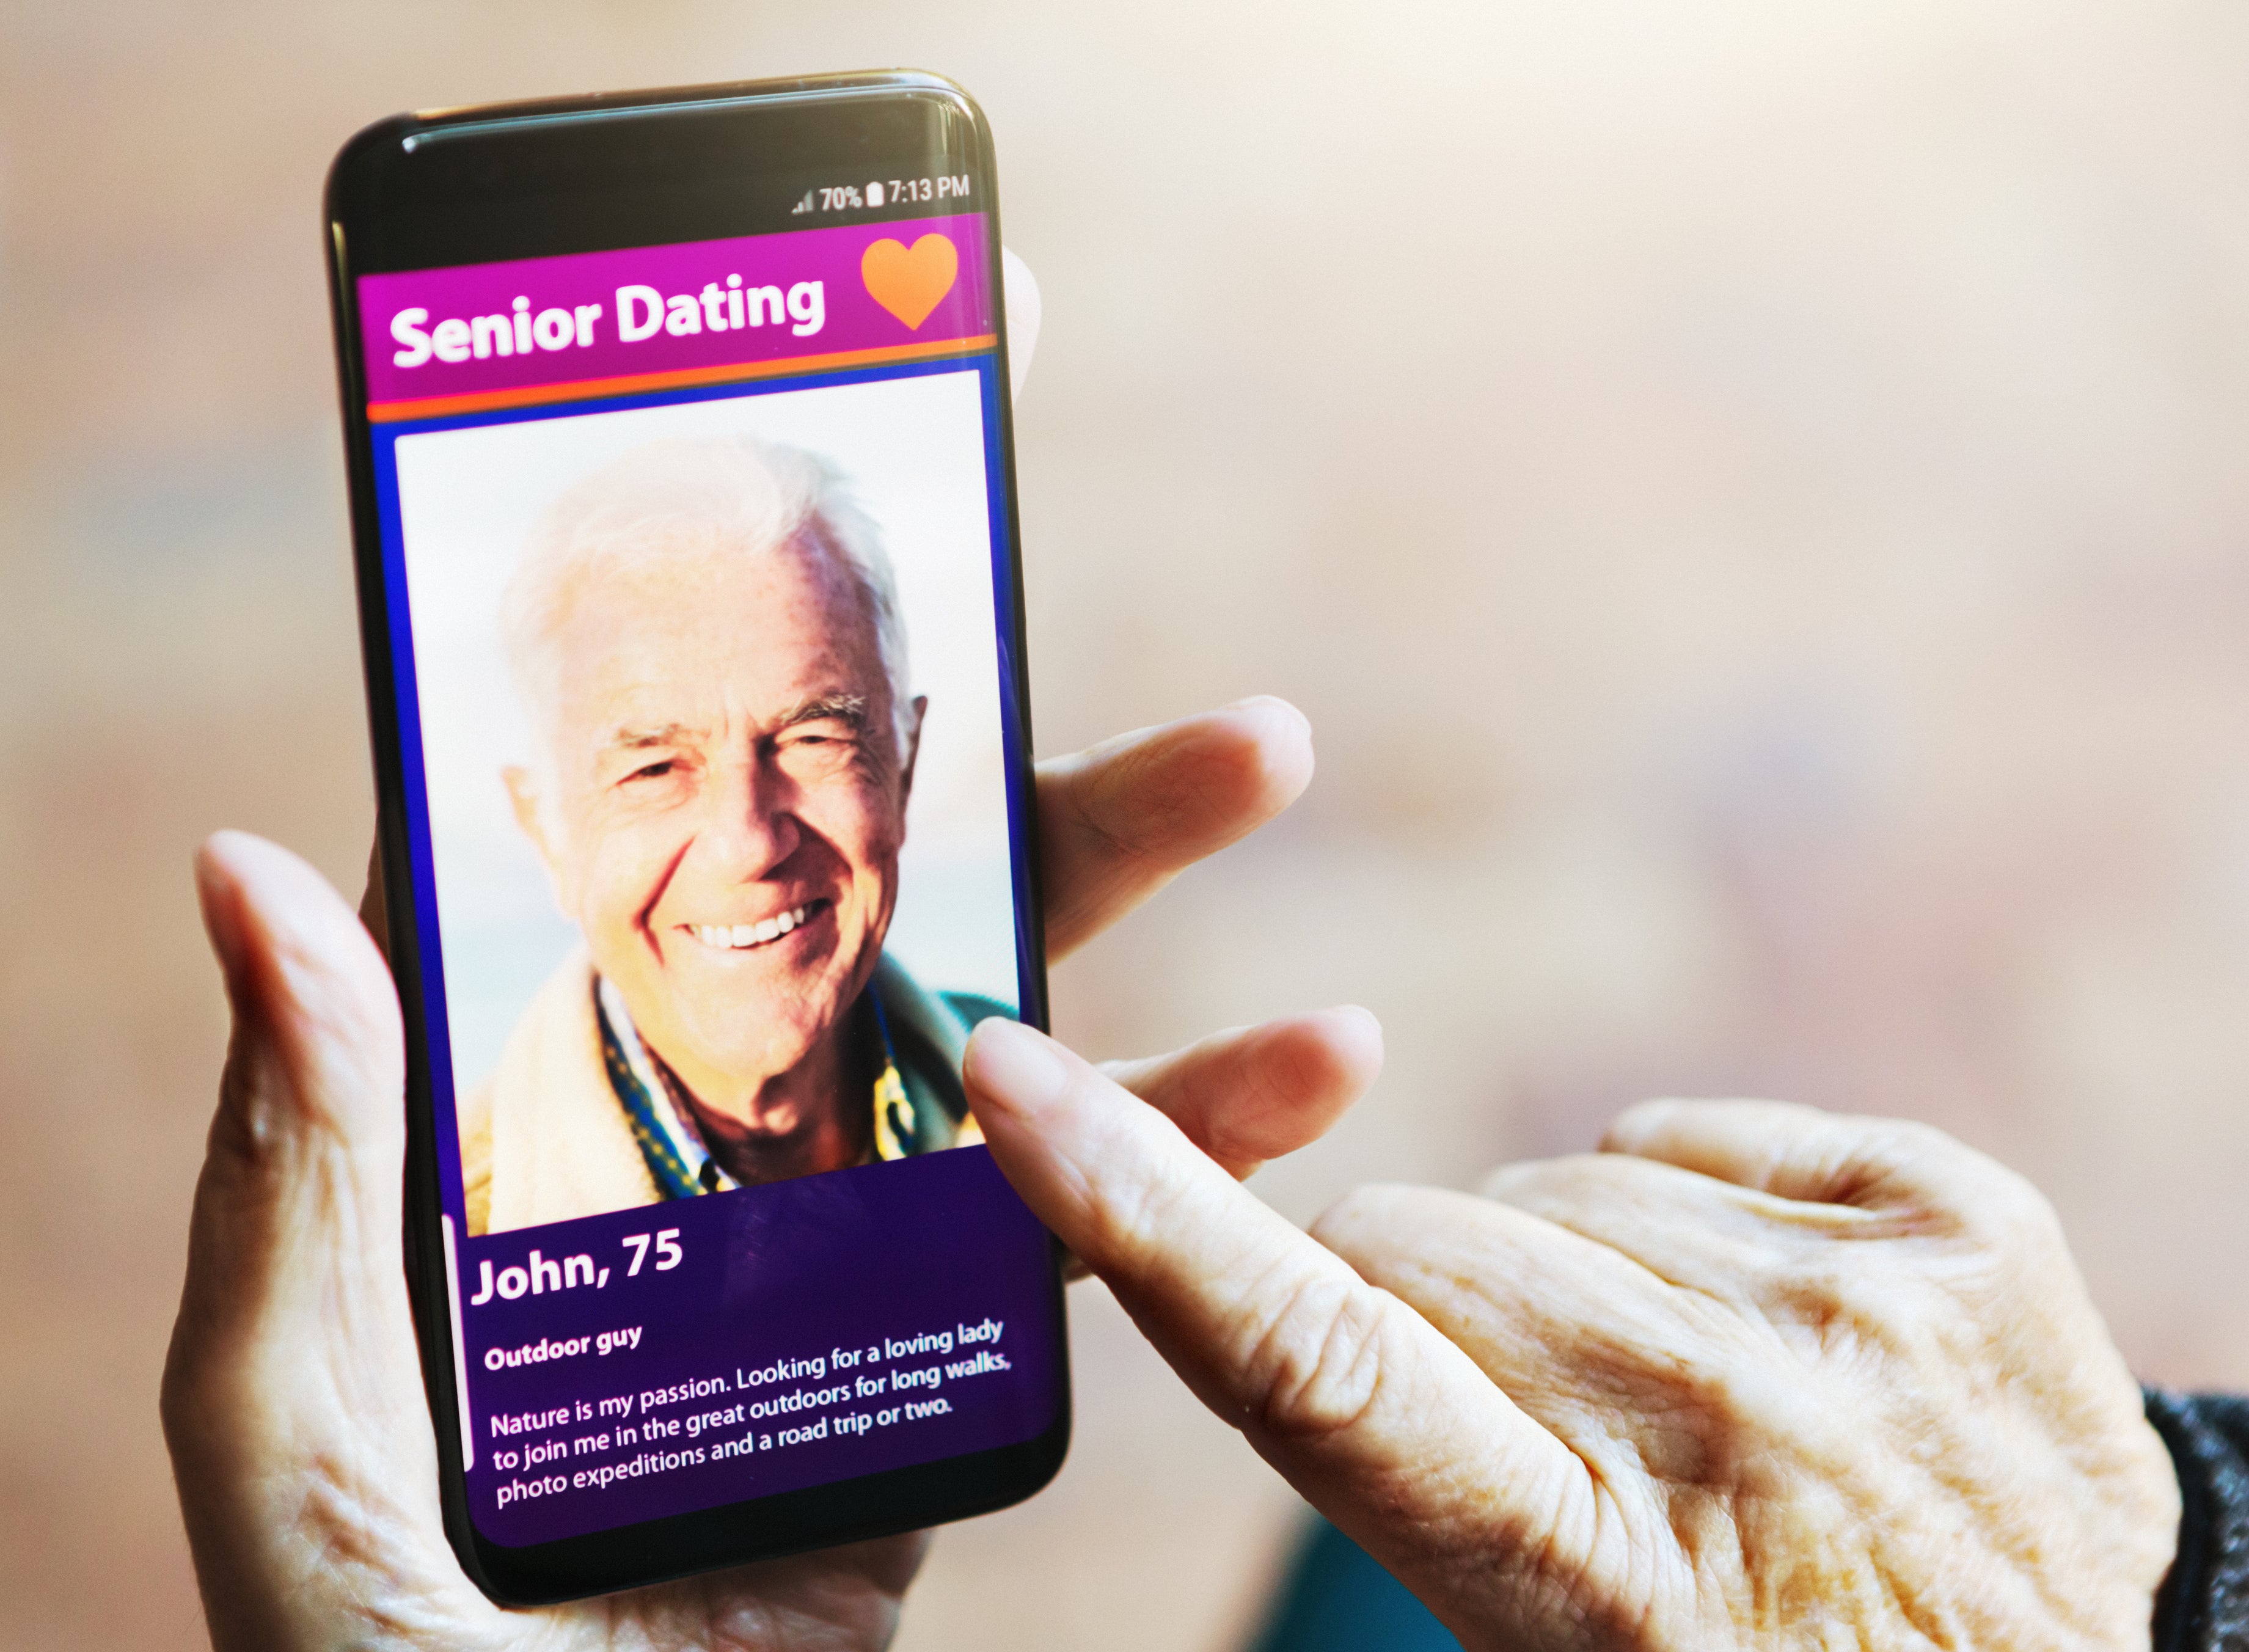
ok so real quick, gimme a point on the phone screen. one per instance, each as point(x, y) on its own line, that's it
point(699, 569)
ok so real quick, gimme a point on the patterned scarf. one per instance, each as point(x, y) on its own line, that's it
point(673, 1148)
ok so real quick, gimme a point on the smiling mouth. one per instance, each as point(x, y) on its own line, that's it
point(743, 937)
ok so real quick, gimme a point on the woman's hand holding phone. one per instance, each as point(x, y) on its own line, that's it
point(294, 1408)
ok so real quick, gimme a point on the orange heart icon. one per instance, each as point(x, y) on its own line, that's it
point(910, 282)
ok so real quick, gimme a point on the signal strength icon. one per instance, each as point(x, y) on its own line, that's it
point(804, 205)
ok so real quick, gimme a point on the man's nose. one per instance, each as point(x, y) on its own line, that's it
point(751, 829)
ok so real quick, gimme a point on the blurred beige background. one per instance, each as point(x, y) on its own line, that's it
point(1752, 497)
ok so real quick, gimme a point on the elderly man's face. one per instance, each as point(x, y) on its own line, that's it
point(730, 802)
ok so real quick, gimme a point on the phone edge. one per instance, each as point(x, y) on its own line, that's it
point(428, 1286)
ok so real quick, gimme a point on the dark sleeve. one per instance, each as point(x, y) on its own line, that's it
point(2204, 1604)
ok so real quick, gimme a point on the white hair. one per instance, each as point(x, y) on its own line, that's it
point(721, 495)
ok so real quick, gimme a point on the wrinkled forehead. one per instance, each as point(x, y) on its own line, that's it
point(673, 630)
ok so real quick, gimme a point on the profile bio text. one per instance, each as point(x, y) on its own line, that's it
point(798, 1401)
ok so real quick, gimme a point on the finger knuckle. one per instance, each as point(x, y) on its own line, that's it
point(1128, 1219)
point(1700, 1418)
point(1844, 1304)
point(1644, 1118)
point(2011, 1217)
point(1362, 1210)
point(1315, 1364)
point(1572, 1180)
point(1906, 1146)
point(1975, 1196)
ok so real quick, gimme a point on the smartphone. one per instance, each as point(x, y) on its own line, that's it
point(683, 511)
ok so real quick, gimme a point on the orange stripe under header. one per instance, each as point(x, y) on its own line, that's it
point(433, 407)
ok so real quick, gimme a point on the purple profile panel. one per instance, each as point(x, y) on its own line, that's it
point(703, 1351)
point(492, 336)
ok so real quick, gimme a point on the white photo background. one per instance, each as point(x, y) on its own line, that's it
point(912, 451)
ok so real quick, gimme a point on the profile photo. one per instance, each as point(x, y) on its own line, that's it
point(719, 738)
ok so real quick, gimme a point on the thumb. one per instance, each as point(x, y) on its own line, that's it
point(1021, 288)
point(293, 1324)
point(1386, 1427)
point(310, 1130)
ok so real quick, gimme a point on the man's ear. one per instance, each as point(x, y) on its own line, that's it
point(530, 815)
point(918, 710)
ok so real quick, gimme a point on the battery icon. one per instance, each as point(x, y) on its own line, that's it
point(874, 195)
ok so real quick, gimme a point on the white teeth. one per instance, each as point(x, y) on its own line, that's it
point(733, 937)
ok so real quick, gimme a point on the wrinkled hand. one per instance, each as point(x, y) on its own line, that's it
point(292, 1398)
point(1754, 1376)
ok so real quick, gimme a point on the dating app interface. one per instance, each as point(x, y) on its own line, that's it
point(702, 611)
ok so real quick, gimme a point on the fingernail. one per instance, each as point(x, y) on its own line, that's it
point(1014, 1065)
point(1266, 703)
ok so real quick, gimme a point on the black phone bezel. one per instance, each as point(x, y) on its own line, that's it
point(589, 174)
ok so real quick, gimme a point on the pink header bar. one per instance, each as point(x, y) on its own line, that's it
point(490, 335)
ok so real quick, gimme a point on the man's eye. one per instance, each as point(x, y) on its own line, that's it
point(653, 771)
